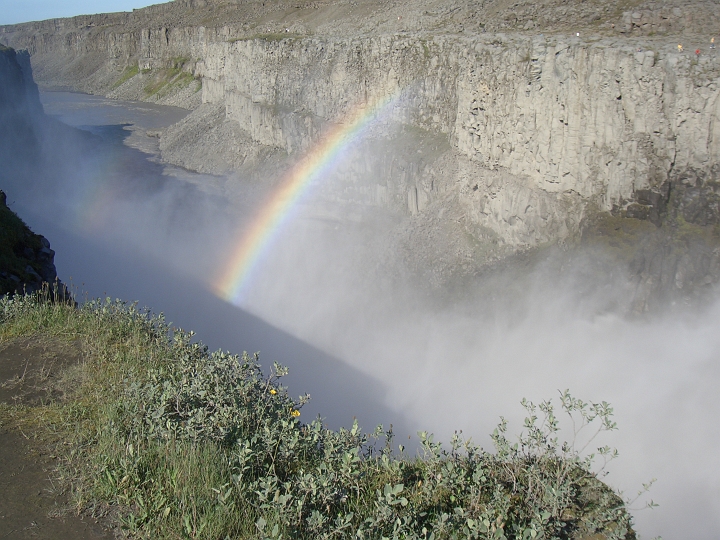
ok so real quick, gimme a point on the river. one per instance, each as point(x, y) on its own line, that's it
point(124, 225)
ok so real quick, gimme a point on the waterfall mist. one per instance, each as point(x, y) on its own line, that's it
point(369, 340)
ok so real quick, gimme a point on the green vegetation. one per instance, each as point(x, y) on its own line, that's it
point(686, 232)
point(179, 442)
point(15, 239)
point(163, 86)
point(168, 79)
point(128, 73)
point(426, 49)
point(271, 37)
point(178, 62)
point(616, 234)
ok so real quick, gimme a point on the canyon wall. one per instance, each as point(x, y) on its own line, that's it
point(519, 134)
point(569, 122)
point(21, 113)
point(26, 260)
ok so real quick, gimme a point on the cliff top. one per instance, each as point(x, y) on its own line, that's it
point(349, 17)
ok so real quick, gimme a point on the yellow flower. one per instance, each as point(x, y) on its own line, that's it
point(294, 413)
point(273, 391)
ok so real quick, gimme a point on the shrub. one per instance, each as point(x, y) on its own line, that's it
point(185, 443)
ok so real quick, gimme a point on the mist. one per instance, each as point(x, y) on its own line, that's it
point(461, 365)
point(368, 338)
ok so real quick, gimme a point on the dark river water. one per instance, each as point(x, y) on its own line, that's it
point(124, 225)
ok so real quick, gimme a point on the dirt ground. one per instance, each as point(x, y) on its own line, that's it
point(33, 504)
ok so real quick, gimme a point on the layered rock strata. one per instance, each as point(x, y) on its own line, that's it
point(521, 136)
point(20, 111)
point(571, 122)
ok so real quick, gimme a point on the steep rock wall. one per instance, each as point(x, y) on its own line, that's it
point(571, 122)
point(601, 120)
point(97, 54)
point(20, 111)
point(523, 131)
point(26, 260)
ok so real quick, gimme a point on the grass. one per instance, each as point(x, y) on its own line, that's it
point(616, 234)
point(177, 442)
point(167, 79)
point(173, 77)
point(178, 62)
point(128, 73)
point(426, 49)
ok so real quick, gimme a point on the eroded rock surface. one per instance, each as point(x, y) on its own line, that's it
point(522, 120)
point(26, 260)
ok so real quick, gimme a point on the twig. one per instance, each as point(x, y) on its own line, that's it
point(25, 370)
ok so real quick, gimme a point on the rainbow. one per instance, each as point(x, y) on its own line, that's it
point(255, 240)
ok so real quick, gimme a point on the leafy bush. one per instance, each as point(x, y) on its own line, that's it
point(185, 443)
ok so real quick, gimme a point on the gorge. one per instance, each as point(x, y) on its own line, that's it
point(526, 208)
point(528, 135)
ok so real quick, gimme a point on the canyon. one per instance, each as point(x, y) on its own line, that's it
point(542, 177)
point(506, 132)
point(28, 261)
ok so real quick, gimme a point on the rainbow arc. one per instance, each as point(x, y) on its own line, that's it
point(232, 283)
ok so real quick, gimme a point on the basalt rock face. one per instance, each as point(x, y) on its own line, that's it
point(32, 144)
point(567, 122)
point(492, 143)
point(26, 260)
point(20, 111)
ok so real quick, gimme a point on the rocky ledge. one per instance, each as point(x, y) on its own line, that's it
point(26, 260)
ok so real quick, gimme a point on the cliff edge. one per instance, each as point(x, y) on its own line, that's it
point(26, 260)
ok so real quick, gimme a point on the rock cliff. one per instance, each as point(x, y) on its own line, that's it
point(522, 136)
point(26, 260)
point(20, 111)
point(569, 122)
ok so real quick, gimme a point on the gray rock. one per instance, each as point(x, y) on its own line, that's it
point(34, 276)
point(520, 136)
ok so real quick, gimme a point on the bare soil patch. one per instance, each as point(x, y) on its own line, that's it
point(32, 503)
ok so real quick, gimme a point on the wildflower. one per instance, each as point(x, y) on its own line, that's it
point(294, 413)
point(273, 391)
